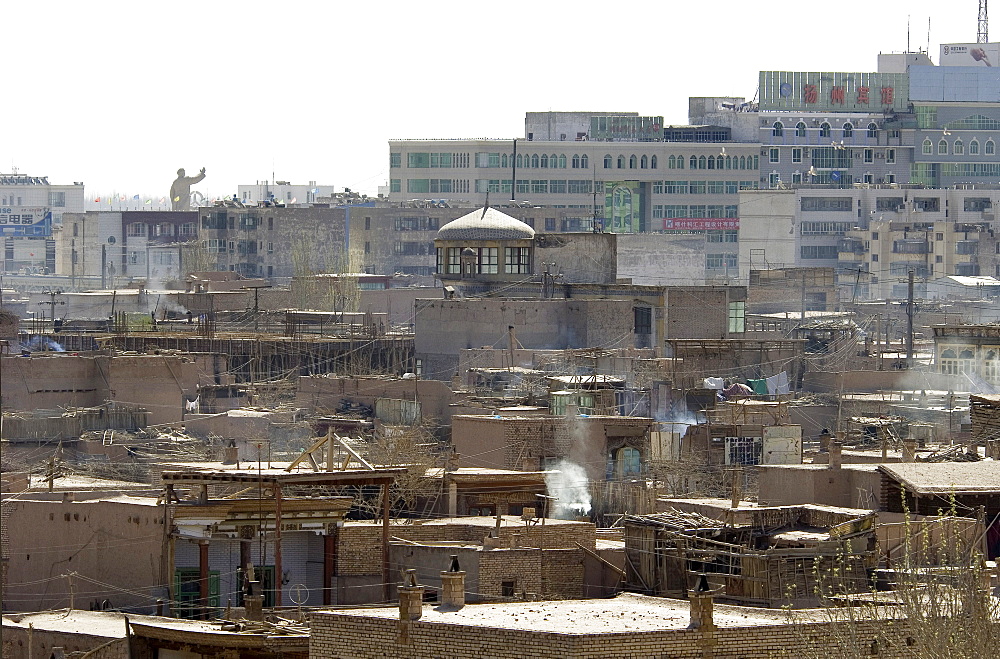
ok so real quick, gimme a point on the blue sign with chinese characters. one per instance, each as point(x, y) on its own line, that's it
point(18, 221)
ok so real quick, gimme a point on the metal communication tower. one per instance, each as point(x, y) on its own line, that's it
point(983, 35)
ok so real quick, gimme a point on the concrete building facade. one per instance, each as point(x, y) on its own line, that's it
point(31, 212)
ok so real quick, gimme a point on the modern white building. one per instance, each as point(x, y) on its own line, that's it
point(31, 208)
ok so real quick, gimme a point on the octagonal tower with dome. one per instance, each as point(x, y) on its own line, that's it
point(485, 245)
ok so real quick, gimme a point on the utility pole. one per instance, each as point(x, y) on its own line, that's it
point(803, 313)
point(52, 305)
point(256, 302)
point(909, 319)
point(513, 175)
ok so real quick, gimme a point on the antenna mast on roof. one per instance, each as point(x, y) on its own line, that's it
point(983, 33)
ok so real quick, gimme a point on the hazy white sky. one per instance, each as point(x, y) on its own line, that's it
point(119, 95)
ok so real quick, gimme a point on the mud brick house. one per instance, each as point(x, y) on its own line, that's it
point(607, 447)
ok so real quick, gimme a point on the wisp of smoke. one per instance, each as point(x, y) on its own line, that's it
point(569, 486)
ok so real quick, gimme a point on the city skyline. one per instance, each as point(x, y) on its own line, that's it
point(253, 95)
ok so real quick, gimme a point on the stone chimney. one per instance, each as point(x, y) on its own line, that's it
point(453, 585)
point(230, 455)
point(411, 597)
point(254, 601)
point(824, 439)
point(836, 457)
point(701, 598)
point(909, 450)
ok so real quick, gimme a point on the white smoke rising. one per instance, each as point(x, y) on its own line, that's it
point(569, 486)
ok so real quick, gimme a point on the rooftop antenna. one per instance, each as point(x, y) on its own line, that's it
point(983, 33)
point(907, 33)
point(928, 35)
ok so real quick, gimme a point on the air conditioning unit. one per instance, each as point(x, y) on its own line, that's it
point(900, 209)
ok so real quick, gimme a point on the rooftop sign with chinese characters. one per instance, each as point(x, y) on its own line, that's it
point(626, 128)
point(17, 221)
point(800, 91)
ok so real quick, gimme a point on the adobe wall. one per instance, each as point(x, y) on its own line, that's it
point(435, 396)
point(50, 381)
point(47, 539)
point(342, 636)
point(156, 382)
point(847, 487)
point(578, 257)
point(443, 327)
point(652, 259)
point(16, 645)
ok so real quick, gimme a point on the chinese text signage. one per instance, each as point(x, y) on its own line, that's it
point(832, 92)
point(19, 221)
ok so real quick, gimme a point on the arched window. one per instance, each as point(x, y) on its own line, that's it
point(959, 147)
point(607, 162)
point(545, 161)
point(584, 162)
point(534, 161)
point(693, 162)
point(974, 148)
point(873, 130)
point(800, 129)
point(743, 162)
point(621, 162)
point(943, 147)
point(576, 161)
point(633, 162)
point(753, 162)
point(680, 162)
point(627, 462)
point(949, 362)
point(778, 129)
point(824, 129)
point(729, 162)
point(926, 148)
point(711, 162)
point(562, 161)
point(990, 371)
point(702, 162)
point(991, 148)
point(967, 361)
point(848, 130)
point(652, 162)
point(503, 161)
point(671, 162)
point(643, 162)
point(519, 161)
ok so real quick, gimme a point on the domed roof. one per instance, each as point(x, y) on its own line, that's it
point(491, 225)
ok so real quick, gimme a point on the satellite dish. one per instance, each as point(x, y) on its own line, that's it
point(299, 594)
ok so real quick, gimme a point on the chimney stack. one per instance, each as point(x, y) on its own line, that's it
point(909, 450)
point(253, 601)
point(701, 598)
point(453, 585)
point(411, 597)
point(836, 457)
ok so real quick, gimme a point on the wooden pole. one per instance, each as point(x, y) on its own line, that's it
point(277, 544)
point(385, 542)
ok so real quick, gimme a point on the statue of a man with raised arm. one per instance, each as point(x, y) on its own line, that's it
point(180, 190)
